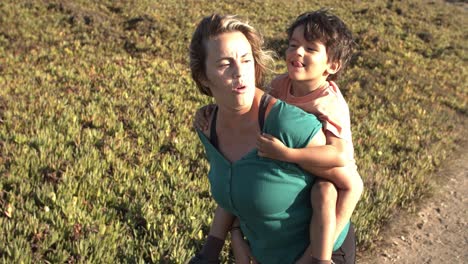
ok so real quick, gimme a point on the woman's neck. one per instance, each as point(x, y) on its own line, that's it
point(237, 130)
point(240, 119)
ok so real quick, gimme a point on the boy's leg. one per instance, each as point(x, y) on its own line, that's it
point(343, 210)
point(323, 224)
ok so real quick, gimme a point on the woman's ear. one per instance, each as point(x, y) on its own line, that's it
point(333, 67)
point(204, 82)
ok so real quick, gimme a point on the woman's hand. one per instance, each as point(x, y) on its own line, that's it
point(241, 249)
point(270, 147)
point(201, 117)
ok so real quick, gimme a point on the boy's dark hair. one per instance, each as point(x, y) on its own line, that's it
point(323, 26)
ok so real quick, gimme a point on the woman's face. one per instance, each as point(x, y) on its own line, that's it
point(230, 70)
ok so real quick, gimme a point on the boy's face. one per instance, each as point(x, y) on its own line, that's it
point(307, 60)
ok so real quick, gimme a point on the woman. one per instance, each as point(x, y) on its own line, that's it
point(270, 198)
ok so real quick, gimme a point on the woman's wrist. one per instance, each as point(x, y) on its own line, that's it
point(236, 233)
point(234, 228)
point(212, 248)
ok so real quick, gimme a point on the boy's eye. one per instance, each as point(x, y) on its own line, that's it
point(310, 49)
point(292, 44)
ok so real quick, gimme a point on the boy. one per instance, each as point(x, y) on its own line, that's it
point(319, 48)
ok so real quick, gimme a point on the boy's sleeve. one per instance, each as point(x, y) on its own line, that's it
point(333, 112)
point(274, 92)
point(277, 84)
point(274, 88)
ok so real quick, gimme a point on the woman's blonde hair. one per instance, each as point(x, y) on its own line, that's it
point(214, 25)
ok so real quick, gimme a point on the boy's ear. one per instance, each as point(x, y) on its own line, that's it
point(333, 67)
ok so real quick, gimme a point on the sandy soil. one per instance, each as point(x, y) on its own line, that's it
point(438, 232)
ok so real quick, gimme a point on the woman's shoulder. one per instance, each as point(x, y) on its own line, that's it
point(286, 114)
point(204, 116)
point(292, 125)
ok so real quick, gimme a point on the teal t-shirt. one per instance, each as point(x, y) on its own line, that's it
point(271, 198)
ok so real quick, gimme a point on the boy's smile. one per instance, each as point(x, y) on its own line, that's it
point(297, 64)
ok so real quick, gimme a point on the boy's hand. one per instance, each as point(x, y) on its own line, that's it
point(201, 117)
point(241, 249)
point(270, 147)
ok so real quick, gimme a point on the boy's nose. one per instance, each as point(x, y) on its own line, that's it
point(300, 51)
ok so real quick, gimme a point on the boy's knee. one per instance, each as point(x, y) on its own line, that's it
point(323, 193)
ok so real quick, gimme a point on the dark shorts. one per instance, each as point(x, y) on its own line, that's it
point(346, 254)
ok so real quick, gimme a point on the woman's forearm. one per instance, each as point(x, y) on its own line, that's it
point(213, 245)
point(221, 224)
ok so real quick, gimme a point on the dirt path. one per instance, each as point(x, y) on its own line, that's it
point(438, 232)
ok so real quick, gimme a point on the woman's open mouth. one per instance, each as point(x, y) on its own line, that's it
point(239, 89)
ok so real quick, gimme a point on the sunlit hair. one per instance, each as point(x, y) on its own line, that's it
point(331, 31)
point(214, 25)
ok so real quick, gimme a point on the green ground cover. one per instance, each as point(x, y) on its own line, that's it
point(98, 161)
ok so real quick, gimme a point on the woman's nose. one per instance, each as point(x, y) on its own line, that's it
point(237, 72)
